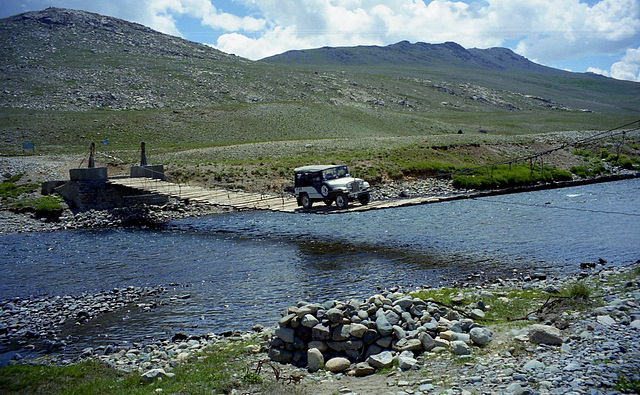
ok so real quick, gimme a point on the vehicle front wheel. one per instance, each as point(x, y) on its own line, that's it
point(364, 199)
point(305, 201)
point(341, 200)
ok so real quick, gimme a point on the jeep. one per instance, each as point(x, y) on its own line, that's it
point(328, 184)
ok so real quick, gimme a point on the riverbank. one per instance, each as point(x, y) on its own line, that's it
point(591, 345)
point(150, 215)
point(140, 216)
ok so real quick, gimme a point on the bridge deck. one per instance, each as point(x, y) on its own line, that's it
point(257, 201)
point(288, 204)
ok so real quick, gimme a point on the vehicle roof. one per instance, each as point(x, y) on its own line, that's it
point(313, 168)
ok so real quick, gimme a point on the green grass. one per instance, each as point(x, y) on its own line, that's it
point(218, 370)
point(16, 197)
point(10, 190)
point(507, 176)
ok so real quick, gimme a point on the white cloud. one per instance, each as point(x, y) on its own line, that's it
point(596, 70)
point(544, 30)
point(628, 68)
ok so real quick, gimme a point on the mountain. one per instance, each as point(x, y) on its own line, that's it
point(412, 56)
point(70, 60)
point(67, 75)
point(495, 68)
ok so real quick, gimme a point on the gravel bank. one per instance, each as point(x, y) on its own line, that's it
point(552, 352)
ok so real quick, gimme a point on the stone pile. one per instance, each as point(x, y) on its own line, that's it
point(373, 334)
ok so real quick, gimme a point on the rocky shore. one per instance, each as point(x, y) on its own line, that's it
point(549, 351)
point(142, 215)
point(36, 324)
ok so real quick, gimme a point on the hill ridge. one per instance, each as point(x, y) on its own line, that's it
point(412, 56)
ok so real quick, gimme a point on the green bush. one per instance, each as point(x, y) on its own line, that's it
point(48, 207)
point(580, 171)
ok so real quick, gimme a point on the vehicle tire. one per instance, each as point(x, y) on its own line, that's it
point(324, 190)
point(364, 199)
point(305, 201)
point(341, 200)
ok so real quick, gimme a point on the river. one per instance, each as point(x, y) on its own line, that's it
point(242, 269)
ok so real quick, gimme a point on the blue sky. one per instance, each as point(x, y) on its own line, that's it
point(601, 36)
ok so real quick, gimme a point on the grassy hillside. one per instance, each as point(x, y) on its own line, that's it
point(71, 77)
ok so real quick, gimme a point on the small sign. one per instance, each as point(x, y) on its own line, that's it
point(105, 142)
point(28, 145)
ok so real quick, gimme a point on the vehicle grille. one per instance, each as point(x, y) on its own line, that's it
point(354, 187)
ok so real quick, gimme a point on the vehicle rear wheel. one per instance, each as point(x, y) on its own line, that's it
point(341, 200)
point(305, 201)
point(364, 199)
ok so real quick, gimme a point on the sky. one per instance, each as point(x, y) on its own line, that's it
point(599, 36)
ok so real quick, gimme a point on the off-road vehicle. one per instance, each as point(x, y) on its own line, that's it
point(328, 184)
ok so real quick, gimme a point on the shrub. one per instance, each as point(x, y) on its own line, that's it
point(48, 207)
point(579, 291)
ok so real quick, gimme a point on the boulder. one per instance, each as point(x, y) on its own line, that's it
point(320, 332)
point(481, 336)
point(406, 361)
point(280, 355)
point(545, 334)
point(383, 326)
point(358, 330)
point(370, 336)
point(335, 315)
point(337, 364)
point(286, 320)
point(382, 360)
point(363, 369)
point(152, 374)
point(459, 347)
point(309, 321)
point(427, 341)
point(286, 334)
point(533, 365)
point(464, 337)
point(605, 320)
point(320, 345)
point(392, 317)
point(341, 332)
point(477, 314)
point(315, 360)
point(398, 332)
point(408, 345)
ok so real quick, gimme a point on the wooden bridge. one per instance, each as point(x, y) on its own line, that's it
point(259, 201)
point(287, 203)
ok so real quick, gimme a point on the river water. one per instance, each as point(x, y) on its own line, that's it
point(242, 269)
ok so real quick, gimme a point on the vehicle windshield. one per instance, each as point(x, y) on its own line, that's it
point(335, 172)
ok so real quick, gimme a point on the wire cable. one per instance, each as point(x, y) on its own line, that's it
point(547, 205)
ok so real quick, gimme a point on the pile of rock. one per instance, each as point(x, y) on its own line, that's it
point(373, 334)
